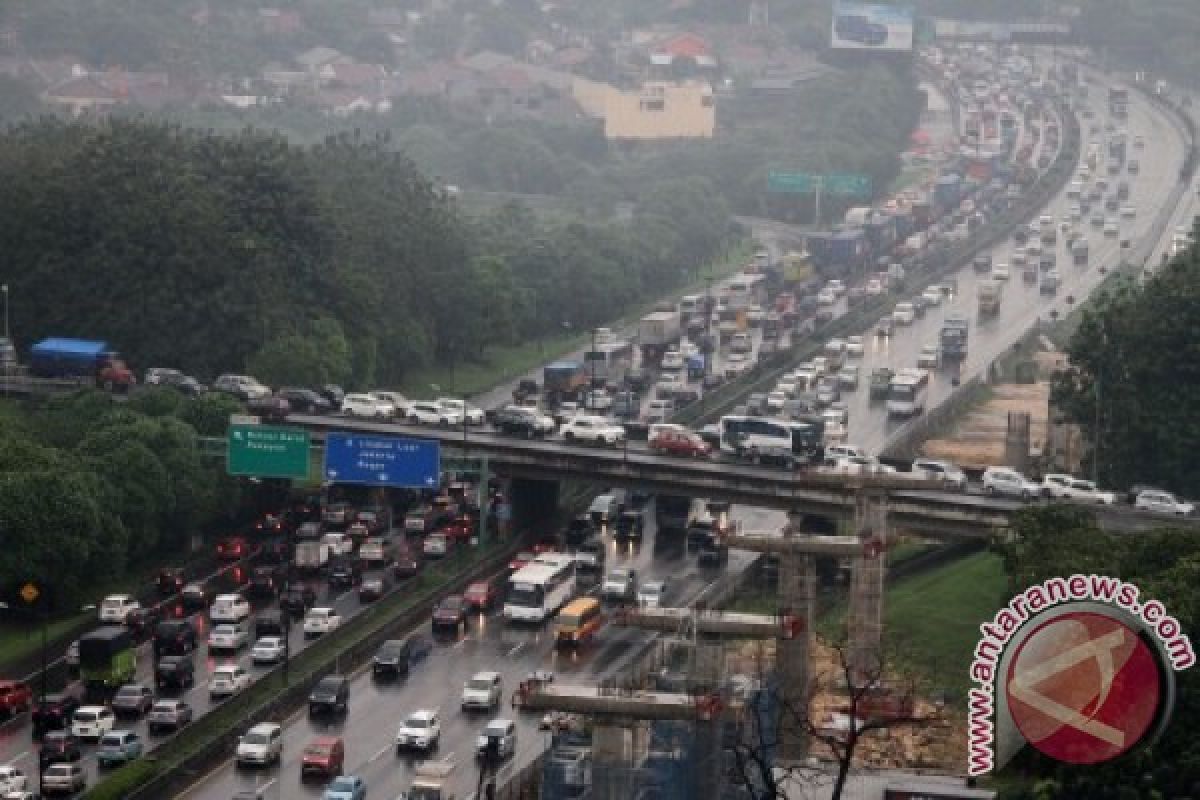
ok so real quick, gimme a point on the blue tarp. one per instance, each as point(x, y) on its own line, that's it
point(74, 348)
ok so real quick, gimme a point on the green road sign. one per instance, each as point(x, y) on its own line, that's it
point(265, 451)
point(853, 185)
point(795, 182)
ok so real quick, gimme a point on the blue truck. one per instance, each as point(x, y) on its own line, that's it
point(81, 359)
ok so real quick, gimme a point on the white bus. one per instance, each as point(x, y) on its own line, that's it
point(608, 363)
point(906, 393)
point(540, 588)
point(772, 439)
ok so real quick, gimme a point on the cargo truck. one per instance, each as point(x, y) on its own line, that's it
point(953, 338)
point(563, 380)
point(1079, 252)
point(881, 381)
point(107, 659)
point(431, 782)
point(311, 556)
point(989, 296)
point(657, 332)
point(673, 512)
point(81, 359)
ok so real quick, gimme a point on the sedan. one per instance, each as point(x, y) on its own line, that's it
point(268, 650)
point(854, 346)
point(1163, 503)
point(650, 594)
point(228, 637)
point(420, 730)
point(450, 613)
point(227, 680)
point(1057, 485)
point(346, 787)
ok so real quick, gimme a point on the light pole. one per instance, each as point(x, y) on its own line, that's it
point(7, 340)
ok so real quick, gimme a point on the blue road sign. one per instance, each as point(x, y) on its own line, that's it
point(382, 461)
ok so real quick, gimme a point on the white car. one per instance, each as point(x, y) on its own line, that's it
point(820, 366)
point(874, 287)
point(229, 608)
point(228, 637)
point(339, 544)
point(428, 413)
point(1010, 483)
point(620, 584)
point(484, 691)
point(904, 314)
point(845, 451)
point(932, 469)
point(848, 377)
point(596, 430)
point(933, 296)
point(1129, 212)
point(262, 745)
point(737, 363)
point(1162, 502)
point(503, 732)
point(836, 286)
point(826, 298)
point(397, 401)
point(92, 722)
point(775, 401)
point(420, 730)
point(228, 679)
point(672, 359)
point(597, 400)
point(363, 405)
point(319, 621)
point(1067, 487)
point(384, 405)
point(243, 386)
point(650, 594)
point(1000, 272)
point(12, 779)
point(929, 357)
point(268, 650)
point(858, 465)
point(116, 608)
point(473, 414)
point(854, 346)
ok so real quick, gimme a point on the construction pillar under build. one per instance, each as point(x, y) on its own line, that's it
point(1016, 441)
point(797, 594)
point(865, 622)
point(707, 666)
point(613, 778)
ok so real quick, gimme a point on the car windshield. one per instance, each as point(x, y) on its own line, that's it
point(618, 575)
point(110, 740)
point(129, 691)
point(495, 730)
point(416, 722)
point(342, 784)
point(318, 750)
point(482, 684)
point(85, 716)
point(254, 737)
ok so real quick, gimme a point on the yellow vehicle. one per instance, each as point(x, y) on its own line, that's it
point(578, 622)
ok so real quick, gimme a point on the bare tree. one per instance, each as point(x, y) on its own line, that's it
point(871, 700)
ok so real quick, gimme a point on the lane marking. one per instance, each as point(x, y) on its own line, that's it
point(515, 650)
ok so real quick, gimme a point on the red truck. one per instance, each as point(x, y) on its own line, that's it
point(15, 697)
point(79, 358)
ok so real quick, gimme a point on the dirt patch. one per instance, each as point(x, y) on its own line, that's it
point(978, 441)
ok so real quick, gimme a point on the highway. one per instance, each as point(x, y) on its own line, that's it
point(377, 709)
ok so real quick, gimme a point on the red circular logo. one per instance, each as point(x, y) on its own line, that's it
point(1084, 688)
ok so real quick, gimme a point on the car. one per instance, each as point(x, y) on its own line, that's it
point(268, 650)
point(305, 401)
point(116, 608)
point(229, 608)
point(1049, 283)
point(320, 621)
point(92, 722)
point(173, 379)
point(371, 589)
point(331, 695)
point(346, 787)
point(933, 296)
point(395, 656)
point(366, 406)
point(932, 469)
point(523, 421)
point(1129, 212)
point(620, 584)
point(854, 346)
point(195, 596)
point(229, 636)
point(260, 746)
point(483, 595)
point(270, 408)
point(1000, 272)
point(672, 360)
point(175, 673)
point(677, 440)
point(58, 747)
point(825, 297)
point(232, 548)
point(243, 387)
point(170, 581)
point(420, 730)
point(592, 429)
point(436, 545)
point(828, 391)
point(15, 697)
point(133, 699)
point(930, 357)
point(1067, 487)
point(1008, 482)
point(167, 715)
point(450, 614)
point(874, 287)
point(12, 779)
point(1162, 502)
point(650, 594)
point(228, 679)
point(118, 747)
point(324, 756)
point(856, 465)
point(344, 573)
point(884, 327)
point(473, 414)
point(430, 413)
point(904, 313)
point(64, 779)
point(737, 363)
point(483, 691)
point(497, 741)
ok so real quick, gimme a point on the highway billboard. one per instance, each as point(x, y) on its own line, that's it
point(862, 26)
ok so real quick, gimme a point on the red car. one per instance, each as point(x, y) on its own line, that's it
point(324, 756)
point(680, 442)
point(482, 595)
point(15, 697)
point(462, 527)
point(232, 548)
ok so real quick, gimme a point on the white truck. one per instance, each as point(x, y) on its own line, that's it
point(989, 296)
point(311, 556)
point(656, 332)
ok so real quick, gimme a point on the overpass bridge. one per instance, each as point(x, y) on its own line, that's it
point(917, 505)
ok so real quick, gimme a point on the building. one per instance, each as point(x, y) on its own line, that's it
point(80, 95)
point(657, 111)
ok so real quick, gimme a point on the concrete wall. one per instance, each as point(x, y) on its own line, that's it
point(656, 111)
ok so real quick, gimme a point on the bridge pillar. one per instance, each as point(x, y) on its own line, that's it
point(708, 759)
point(866, 583)
point(534, 504)
point(797, 594)
point(612, 763)
point(707, 667)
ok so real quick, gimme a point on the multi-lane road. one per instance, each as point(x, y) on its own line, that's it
point(377, 709)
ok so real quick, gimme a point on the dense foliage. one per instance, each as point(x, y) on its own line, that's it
point(89, 486)
point(1165, 565)
point(335, 262)
point(1135, 378)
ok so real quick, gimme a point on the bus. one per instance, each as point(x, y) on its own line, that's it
point(906, 393)
point(608, 363)
point(793, 442)
point(540, 588)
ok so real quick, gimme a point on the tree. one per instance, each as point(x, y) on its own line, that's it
point(17, 99)
point(1128, 386)
point(872, 700)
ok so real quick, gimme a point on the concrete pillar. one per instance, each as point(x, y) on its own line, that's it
point(866, 583)
point(709, 760)
point(707, 666)
point(534, 505)
point(612, 773)
point(797, 594)
point(1016, 441)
